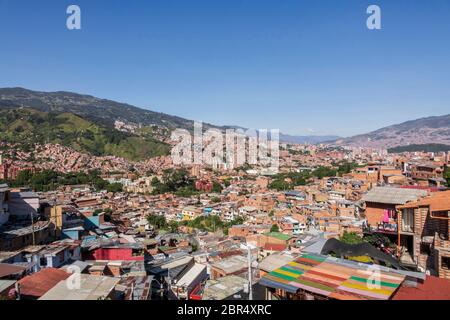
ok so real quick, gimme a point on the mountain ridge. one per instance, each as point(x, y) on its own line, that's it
point(426, 130)
point(108, 111)
point(27, 127)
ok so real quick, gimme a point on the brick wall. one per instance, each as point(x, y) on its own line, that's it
point(375, 212)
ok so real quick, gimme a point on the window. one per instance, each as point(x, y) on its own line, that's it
point(43, 262)
point(440, 214)
point(442, 226)
point(408, 220)
point(425, 248)
point(445, 263)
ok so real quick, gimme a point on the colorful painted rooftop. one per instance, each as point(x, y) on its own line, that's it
point(335, 278)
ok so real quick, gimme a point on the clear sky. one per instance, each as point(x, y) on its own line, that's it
point(305, 67)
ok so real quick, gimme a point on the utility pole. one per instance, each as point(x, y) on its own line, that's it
point(169, 284)
point(32, 227)
point(250, 286)
point(17, 287)
point(132, 291)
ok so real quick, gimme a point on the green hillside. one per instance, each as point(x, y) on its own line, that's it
point(94, 109)
point(27, 127)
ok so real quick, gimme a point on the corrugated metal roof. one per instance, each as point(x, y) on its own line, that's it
point(81, 265)
point(315, 247)
point(37, 284)
point(432, 288)
point(91, 288)
point(275, 261)
point(25, 194)
point(7, 269)
point(223, 287)
point(191, 275)
point(232, 264)
point(5, 284)
point(390, 195)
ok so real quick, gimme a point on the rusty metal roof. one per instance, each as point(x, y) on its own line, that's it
point(37, 284)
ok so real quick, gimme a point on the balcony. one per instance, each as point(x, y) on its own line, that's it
point(387, 228)
point(441, 241)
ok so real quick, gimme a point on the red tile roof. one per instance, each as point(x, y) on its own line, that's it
point(37, 284)
point(433, 288)
point(274, 247)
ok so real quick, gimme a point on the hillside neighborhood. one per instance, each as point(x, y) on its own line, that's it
point(152, 230)
point(224, 159)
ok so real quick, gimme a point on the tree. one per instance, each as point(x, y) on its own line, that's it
point(323, 172)
point(99, 183)
point(274, 228)
point(215, 200)
point(157, 221)
point(173, 226)
point(447, 175)
point(377, 240)
point(287, 181)
point(155, 181)
point(346, 167)
point(23, 178)
point(280, 185)
point(176, 181)
point(208, 223)
point(114, 187)
point(48, 180)
point(217, 187)
point(351, 238)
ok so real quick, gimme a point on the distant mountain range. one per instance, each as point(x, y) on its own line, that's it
point(431, 130)
point(98, 110)
point(98, 133)
point(106, 112)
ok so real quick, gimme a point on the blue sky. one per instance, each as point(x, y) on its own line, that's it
point(305, 67)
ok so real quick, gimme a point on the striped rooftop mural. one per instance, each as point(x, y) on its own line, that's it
point(334, 278)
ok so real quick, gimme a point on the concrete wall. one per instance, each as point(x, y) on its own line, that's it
point(22, 207)
point(115, 254)
point(4, 217)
